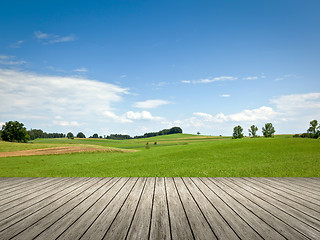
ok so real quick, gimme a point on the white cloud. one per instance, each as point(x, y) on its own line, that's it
point(295, 103)
point(225, 95)
point(114, 117)
point(151, 103)
point(262, 113)
point(251, 78)
point(123, 76)
point(17, 44)
point(30, 95)
point(144, 115)
point(1, 124)
point(80, 70)
point(48, 38)
point(210, 80)
point(67, 124)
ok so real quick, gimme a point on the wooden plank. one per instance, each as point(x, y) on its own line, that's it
point(13, 183)
point(275, 209)
point(22, 189)
point(140, 225)
point(296, 184)
point(29, 224)
point(284, 229)
point(63, 223)
point(10, 183)
point(80, 226)
point(32, 195)
point(297, 203)
point(13, 216)
point(180, 227)
point(305, 182)
point(239, 226)
point(34, 190)
point(264, 230)
point(160, 226)
point(120, 226)
point(43, 223)
point(215, 219)
point(313, 222)
point(291, 190)
point(102, 223)
point(198, 222)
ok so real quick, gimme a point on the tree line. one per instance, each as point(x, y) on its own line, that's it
point(15, 131)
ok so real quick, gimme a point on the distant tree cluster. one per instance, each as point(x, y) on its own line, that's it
point(118, 136)
point(162, 132)
point(38, 133)
point(312, 132)
point(267, 131)
point(95, 135)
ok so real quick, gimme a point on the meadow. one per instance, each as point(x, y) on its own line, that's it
point(173, 155)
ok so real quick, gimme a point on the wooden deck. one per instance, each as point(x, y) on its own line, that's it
point(159, 208)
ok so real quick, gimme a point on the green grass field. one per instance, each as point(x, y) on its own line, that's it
point(173, 155)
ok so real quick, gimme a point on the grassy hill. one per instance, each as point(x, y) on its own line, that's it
point(173, 155)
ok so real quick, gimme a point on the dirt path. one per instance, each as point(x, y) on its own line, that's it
point(59, 150)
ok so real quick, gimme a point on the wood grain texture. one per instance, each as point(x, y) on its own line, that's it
point(159, 208)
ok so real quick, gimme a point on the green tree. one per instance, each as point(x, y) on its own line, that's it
point(81, 135)
point(175, 130)
point(253, 131)
point(314, 129)
point(14, 131)
point(268, 130)
point(95, 135)
point(237, 132)
point(70, 135)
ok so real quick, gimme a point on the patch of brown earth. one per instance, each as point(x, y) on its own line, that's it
point(59, 150)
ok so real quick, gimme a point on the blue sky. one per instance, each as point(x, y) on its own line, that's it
point(138, 66)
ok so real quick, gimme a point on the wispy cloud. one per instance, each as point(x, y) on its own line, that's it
point(10, 60)
point(225, 95)
point(29, 95)
point(48, 38)
point(151, 103)
point(123, 76)
point(251, 78)
point(81, 70)
point(210, 80)
point(16, 44)
point(284, 77)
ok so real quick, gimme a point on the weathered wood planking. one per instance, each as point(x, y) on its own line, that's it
point(159, 208)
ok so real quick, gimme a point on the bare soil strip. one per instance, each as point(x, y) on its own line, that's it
point(59, 150)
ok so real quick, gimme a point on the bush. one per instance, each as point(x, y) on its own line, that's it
point(296, 135)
